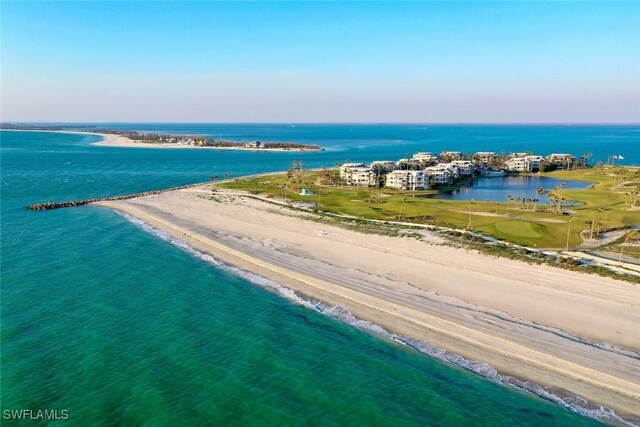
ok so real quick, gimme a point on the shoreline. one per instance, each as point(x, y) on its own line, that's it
point(113, 140)
point(592, 361)
point(341, 314)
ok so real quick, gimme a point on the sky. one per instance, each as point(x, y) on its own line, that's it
point(416, 62)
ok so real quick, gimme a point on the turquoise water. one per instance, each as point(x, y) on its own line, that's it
point(366, 142)
point(117, 326)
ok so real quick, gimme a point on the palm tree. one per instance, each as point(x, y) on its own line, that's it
point(402, 208)
point(557, 198)
point(518, 200)
point(593, 222)
point(509, 199)
point(551, 197)
point(539, 191)
point(566, 248)
point(561, 200)
point(471, 201)
point(634, 235)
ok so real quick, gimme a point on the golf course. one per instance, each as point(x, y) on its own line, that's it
point(554, 219)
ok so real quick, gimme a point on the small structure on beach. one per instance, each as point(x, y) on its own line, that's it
point(253, 144)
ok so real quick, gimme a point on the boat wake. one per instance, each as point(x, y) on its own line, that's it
point(571, 402)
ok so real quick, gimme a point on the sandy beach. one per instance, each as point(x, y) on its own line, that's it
point(569, 330)
point(113, 140)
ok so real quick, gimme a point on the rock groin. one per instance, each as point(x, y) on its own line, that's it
point(72, 203)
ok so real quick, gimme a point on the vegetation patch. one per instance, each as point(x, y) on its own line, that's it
point(517, 228)
point(603, 206)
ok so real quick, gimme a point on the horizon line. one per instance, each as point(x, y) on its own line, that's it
point(326, 123)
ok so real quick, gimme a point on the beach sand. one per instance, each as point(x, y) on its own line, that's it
point(111, 140)
point(574, 331)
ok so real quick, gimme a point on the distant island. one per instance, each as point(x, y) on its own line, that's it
point(117, 137)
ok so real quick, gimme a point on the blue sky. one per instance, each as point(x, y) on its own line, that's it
point(321, 62)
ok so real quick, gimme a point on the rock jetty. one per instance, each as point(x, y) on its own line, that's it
point(72, 203)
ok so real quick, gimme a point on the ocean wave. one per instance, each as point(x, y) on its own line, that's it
point(572, 402)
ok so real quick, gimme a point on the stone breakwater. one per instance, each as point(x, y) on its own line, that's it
point(72, 203)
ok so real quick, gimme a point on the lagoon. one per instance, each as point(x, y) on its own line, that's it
point(498, 189)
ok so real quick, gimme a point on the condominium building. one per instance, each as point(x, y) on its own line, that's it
point(383, 166)
point(428, 158)
point(406, 180)
point(361, 176)
point(454, 155)
point(561, 160)
point(536, 162)
point(346, 167)
point(519, 164)
point(439, 174)
point(483, 157)
point(406, 164)
point(466, 167)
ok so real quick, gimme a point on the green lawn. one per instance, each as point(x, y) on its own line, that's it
point(535, 229)
point(519, 228)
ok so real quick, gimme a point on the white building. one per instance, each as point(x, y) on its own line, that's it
point(561, 160)
point(439, 174)
point(344, 169)
point(518, 164)
point(406, 164)
point(406, 180)
point(361, 176)
point(466, 167)
point(484, 157)
point(429, 158)
point(384, 165)
point(454, 155)
point(536, 162)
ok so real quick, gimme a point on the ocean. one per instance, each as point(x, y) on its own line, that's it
point(117, 325)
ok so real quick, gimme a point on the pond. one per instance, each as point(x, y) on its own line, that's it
point(497, 189)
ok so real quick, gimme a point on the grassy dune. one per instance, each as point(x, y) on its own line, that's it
point(540, 229)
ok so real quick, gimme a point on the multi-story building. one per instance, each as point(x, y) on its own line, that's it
point(466, 167)
point(361, 176)
point(346, 167)
point(428, 158)
point(518, 164)
point(410, 164)
point(536, 162)
point(439, 174)
point(483, 157)
point(453, 155)
point(384, 166)
point(561, 160)
point(406, 180)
